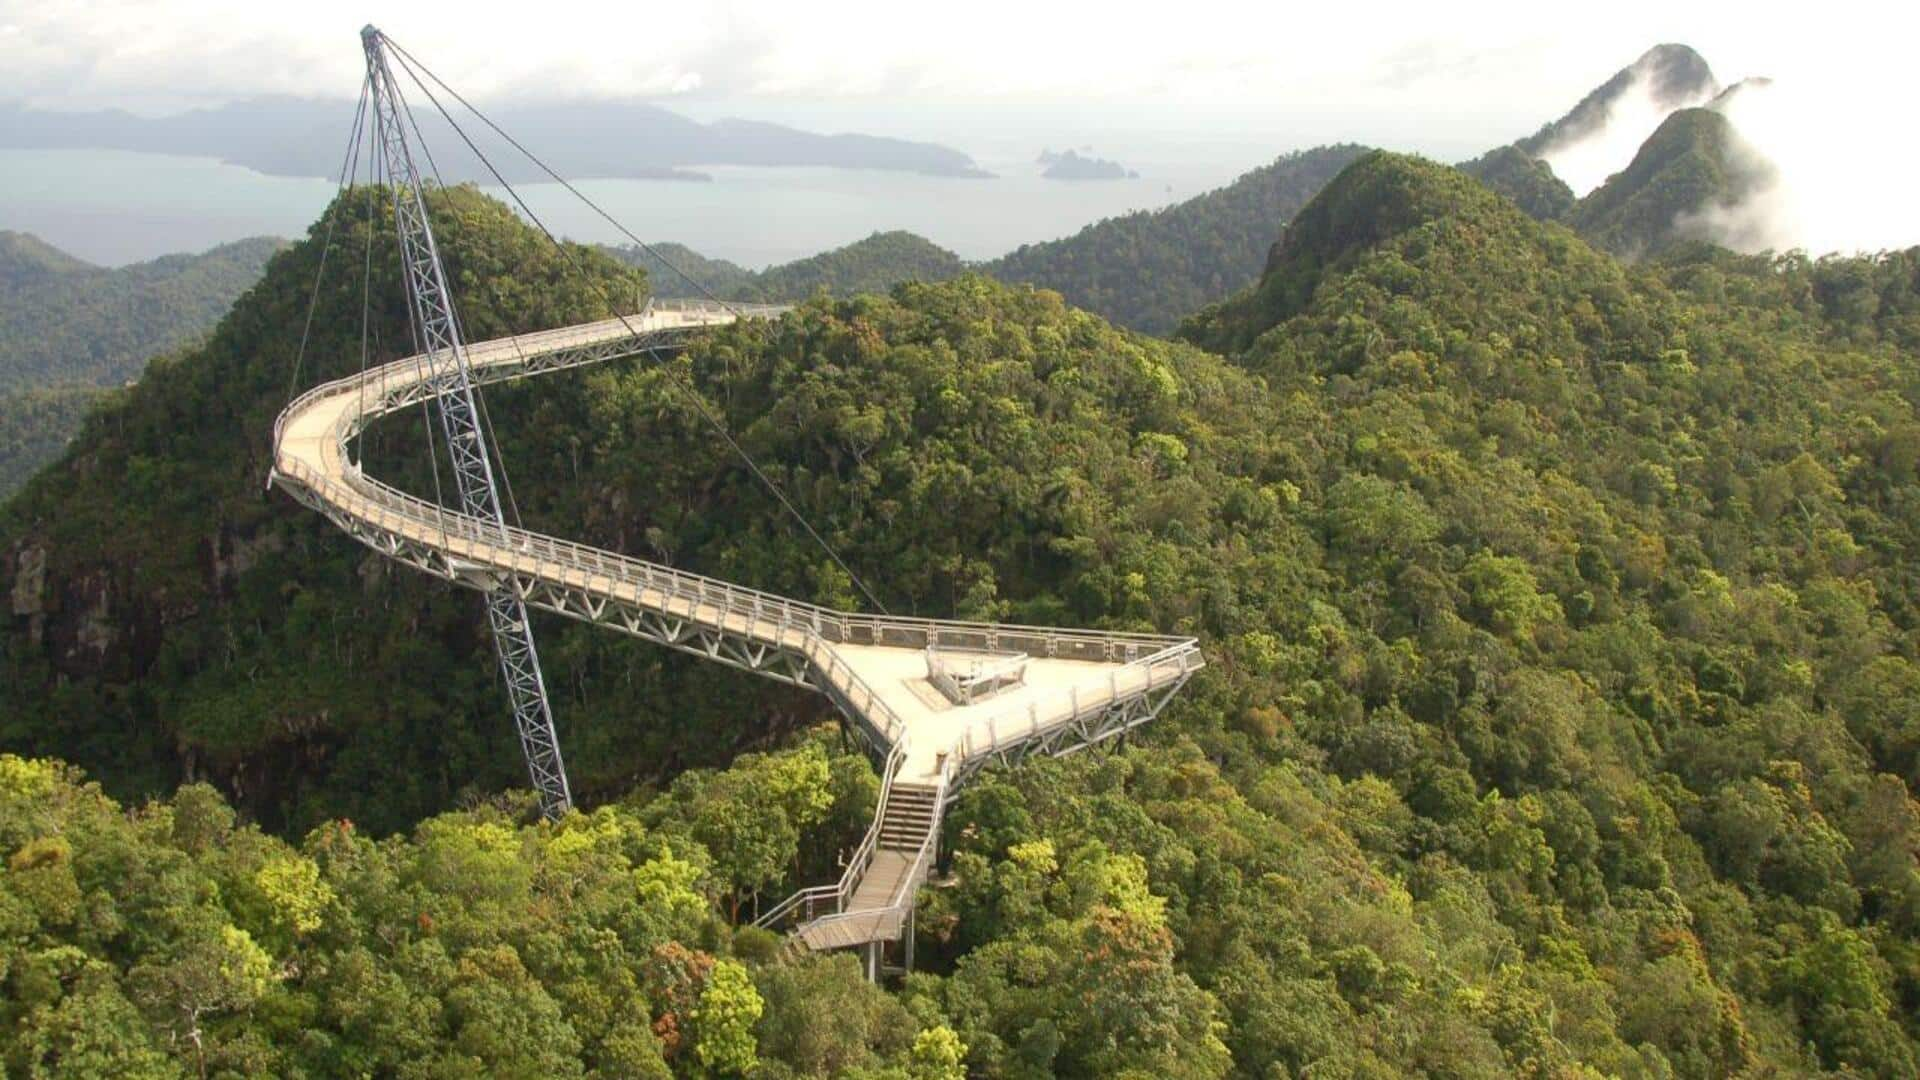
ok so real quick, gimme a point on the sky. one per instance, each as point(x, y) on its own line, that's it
point(1448, 80)
point(1434, 59)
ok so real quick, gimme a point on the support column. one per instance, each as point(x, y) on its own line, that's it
point(430, 301)
point(907, 942)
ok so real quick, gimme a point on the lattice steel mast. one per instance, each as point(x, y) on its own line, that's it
point(451, 379)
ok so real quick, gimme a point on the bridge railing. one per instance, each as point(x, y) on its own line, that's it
point(837, 626)
point(1150, 660)
point(1007, 730)
point(765, 617)
point(520, 346)
point(712, 307)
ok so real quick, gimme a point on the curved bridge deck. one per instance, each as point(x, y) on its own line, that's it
point(1079, 686)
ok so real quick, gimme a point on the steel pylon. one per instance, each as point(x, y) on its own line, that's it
point(451, 378)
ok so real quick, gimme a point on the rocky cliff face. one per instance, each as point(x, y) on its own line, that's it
point(85, 624)
point(28, 587)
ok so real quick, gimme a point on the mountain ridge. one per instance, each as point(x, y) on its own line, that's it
point(872, 264)
point(1673, 75)
point(1180, 256)
point(288, 136)
point(80, 323)
point(27, 261)
point(69, 330)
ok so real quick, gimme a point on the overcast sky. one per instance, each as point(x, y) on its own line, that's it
point(1239, 80)
point(1503, 58)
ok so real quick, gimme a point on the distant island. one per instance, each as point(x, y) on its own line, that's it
point(1071, 165)
point(287, 136)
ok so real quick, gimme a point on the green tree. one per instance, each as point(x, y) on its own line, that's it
point(723, 1022)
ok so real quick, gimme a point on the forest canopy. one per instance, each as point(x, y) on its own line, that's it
point(1562, 715)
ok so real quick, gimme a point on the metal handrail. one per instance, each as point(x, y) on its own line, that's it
point(1182, 655)
point(862, 858)
point(390, 511)
point(980, 674)
point(760, 615)
point(1148, 661)
point(908, 888)
point(832, 624)
point(763, 615)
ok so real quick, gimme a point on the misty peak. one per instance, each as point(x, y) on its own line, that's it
point(1751, 85)
point(1664, 78)
point(1674, 75)
point(1684, 184)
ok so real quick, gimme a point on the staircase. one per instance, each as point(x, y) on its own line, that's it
point(882, 896)
point(909, 815)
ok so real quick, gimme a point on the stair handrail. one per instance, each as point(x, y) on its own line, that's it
point(842, 890)
point(909, 886)
point(893, 913)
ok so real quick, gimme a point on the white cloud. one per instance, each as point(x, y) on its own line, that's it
point(1845, 171)
point(1500, 55)
point(1399, 72)
point(1586, 162)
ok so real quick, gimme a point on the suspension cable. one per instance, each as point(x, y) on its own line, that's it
point(408, 61)
point(408, 64)
point(495, 457)
point(348, 161)
point(366, 290)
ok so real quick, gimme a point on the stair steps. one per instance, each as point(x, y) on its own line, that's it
point(910, 814)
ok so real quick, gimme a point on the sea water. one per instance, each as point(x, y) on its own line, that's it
point(114, 207)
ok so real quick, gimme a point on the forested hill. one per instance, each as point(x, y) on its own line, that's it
point(1381, 198)
point(1681, 181)
point(1144, 270)
point(1613, 544)
point(69, 329)
point(1680, 187)
point(35, 426)
point(66, 321)
point(872, 265)
point(169, 613)
point(1525, 179)
point(1149, 269)
point(27, 261)
point(1559, 718)
point(678, 270)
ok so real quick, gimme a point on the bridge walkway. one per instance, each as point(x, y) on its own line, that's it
point(1076, 687)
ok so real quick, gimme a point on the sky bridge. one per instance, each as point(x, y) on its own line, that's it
point(935, 699)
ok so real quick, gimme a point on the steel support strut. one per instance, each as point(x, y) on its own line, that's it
point(451, 382)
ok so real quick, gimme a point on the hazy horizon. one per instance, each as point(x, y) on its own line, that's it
point(1188, 106)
